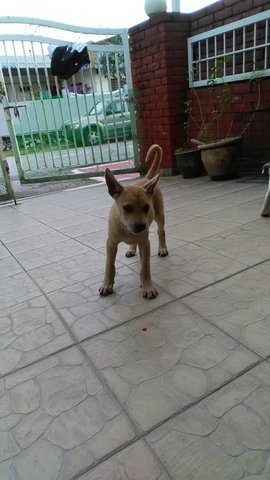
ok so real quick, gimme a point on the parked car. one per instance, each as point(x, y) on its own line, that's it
point(108, 120)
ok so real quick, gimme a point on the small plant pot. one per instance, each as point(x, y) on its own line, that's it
point(221, 159)
point(189, 163)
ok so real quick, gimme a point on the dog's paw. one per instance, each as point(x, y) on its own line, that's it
point(104, 290)
point(150, 293)
point(163, 252)
point(131, 252)
point(265, 214)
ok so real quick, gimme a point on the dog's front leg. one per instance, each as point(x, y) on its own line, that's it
point(148, 290)
point(265, 211)
point(107, 285)
point(162, 247)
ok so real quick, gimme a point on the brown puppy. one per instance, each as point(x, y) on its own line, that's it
point(134, 209)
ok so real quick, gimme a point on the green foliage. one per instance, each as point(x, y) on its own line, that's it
point(112, 65)
point(220, 101)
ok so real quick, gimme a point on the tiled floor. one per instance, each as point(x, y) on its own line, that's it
point(124, 388)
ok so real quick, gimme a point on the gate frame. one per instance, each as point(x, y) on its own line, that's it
point(94, 47)
point(9, 195)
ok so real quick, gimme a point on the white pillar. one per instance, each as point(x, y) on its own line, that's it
point(175, 5)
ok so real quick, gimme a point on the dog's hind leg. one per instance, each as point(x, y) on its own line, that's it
point(265, 211)
point(132, 250)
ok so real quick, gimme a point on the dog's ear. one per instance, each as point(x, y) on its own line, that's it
point(114, 187)
point(150, 185)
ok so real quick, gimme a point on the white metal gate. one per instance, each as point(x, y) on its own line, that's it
point(4, 193)
point(63, 128)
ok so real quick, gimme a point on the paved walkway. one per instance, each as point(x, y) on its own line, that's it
point(124, 388)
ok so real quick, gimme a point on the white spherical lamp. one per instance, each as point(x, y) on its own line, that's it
point(155, 6)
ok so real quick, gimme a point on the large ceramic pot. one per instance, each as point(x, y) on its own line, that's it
point(189, 163)
point(221, 159)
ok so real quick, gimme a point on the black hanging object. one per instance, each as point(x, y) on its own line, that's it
point(66, 62)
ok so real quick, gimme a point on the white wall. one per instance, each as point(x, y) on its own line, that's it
point(43, 115)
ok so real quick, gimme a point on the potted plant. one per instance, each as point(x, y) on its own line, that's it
point(189, 162)
point(188, 159)
point(220, 151)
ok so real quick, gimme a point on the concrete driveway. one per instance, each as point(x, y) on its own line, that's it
point(124, 388)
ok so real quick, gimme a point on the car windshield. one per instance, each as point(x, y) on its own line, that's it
point(98, 109)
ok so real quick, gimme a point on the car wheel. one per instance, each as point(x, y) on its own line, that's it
point(92, 136)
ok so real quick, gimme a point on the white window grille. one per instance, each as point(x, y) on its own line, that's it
point(239, 49)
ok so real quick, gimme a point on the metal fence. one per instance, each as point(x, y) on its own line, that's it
point(59, 127)
point(241, 47)
point(4, 194)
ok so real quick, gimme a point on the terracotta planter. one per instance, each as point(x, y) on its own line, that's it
point(189, 163)
point(221, 159)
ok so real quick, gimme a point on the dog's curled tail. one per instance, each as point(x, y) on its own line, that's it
point(265, 166)
point(155, 150)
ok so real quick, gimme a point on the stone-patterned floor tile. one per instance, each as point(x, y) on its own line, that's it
point(58, 420)
point(9, 266)
point(199, 228)
point(87, 313)
point(102, 211)
point(136, 462)
point(173, 218)
point(193, 197)
point(61, 274)
point(29, 331)
point(240, 306)
point(164, 361)
point(248, 244)
point(38, 210)
point(89, 207)
point(49, 254)
point(83, 201)
point(15, 225)
point(190, 267)
point(75, 197)
point(258, 201)
point(224, 437)
point(240, 214)
point(4, 253)
point(178, 191)
point(200, 186)
point(96, 240)
point(72, 220)
point(16, 289)
point(225, 208)
point(264, 267)
point(26, 232)
point(208, 207)
point(94, 224)
point(171, 242)
point(42, 240)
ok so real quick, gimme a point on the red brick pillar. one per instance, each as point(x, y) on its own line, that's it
point(160, 79)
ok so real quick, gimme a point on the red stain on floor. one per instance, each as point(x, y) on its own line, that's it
point(112, 166)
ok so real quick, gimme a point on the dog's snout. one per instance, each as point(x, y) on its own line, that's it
point(139, 227)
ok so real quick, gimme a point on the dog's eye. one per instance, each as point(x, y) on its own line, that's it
point(128, 208)
point(146, 208)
